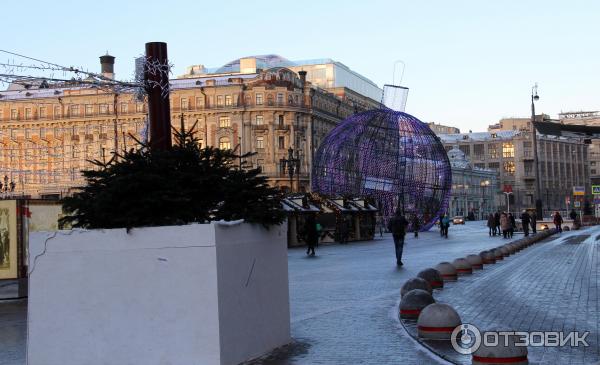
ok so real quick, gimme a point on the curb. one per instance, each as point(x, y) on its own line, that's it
point(410, 326)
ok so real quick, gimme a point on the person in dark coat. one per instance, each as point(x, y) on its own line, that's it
point(312, 235)
point(558, 221)
point(573, 215)
point(416, 225)
point(513, 225)
point(533, 223)
point(491, 223)
point(397, 225)
point(525, 220)
point(498, 226)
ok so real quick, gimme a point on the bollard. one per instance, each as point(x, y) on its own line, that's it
point(462, 267)
point(475, 261)
point(504, 250)
point(447, 271)
point(415, 283)
point(413, 302)
point(488, 257)
point(566, 228)
point(511, 248)
point(505, 352)
point(433, 277)
point(498, 254)
point(437, 321)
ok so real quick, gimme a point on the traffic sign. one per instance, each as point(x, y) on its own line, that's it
point(578, 190)
point(596, 189)
point(577, 204)
point(507, 189)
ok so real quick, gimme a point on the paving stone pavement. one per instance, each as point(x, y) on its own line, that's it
point(344, 301)
point(550, 286)
point(13, 331)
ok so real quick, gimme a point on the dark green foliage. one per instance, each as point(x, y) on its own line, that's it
point(185, 184)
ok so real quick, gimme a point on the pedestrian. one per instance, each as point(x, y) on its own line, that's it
point(344, 230)
point(533, 223)
point(573, 215)
point(513, 225)
point(380, 224)
point(491, 223)
point(416, 225)
point(497, 219)
point(446, 225)
point(312, 236)
point(525, 220)
point(441, 225)
point(504, 224)
point(397, 225)
point(558, 221)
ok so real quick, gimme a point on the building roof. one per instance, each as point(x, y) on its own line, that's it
point(478, 136)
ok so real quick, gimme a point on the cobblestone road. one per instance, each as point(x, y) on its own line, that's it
point(550, 286)
point(344, 300)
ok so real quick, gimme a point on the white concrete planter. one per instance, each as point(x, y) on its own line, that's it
point(198, 294)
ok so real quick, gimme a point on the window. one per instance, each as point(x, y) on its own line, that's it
point(479, 165)
point(259, 99)
point(260, 163)
point(89, 109)
point(527, 144)
point(260, 142)
point(57, 112)
point(281, 142)
point(224, 122)
point(103, 108)
point(74, 111)
point(494, 165)
point(200, 102)
point(224, 143)
point(124, 108)
point(466, 149)
point(280, 98)
point(259, 120)
point(509, 167)
point(508, 150)
point(281, 120)
point(593, 172)
point(228, 100)
point(478, 151)
point(43, 112)
point(28, 114)
point(184, 103)
point(219, 100)
point(139, 107)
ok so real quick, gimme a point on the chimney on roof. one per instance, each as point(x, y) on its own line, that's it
point(107, 66)
point(302, 75)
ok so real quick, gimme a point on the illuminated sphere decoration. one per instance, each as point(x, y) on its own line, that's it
point(390, 156)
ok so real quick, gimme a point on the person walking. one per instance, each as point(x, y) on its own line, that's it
point(416, 225)
point(525, 220)
point(442, 225)
point(380, 224)
point(504, 224)
point(312, 235)
point(533, 223)
point(397, 225)
point(558, 221)
point(513, 225)
point(491, 223)
point(344, 230)
point(498, 226)
point(446, 225)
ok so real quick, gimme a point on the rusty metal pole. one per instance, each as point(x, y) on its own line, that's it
point(156, 79)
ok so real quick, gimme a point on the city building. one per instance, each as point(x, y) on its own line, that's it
point(474, 190)
point(442, 129)
point(591, 118)
point(563, 164)
point(50, 132)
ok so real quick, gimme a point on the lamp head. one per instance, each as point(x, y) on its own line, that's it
point(536, 97)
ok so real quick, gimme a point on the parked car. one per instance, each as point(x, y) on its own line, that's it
point(459, 219)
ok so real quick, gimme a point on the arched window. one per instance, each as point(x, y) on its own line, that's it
point(224, 143)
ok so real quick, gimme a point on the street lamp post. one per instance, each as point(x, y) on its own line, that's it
point(538, 199)
point(291, 165)
point(484, 184)
point(508, 193)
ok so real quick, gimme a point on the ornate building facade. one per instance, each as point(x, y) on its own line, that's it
point(48, 134)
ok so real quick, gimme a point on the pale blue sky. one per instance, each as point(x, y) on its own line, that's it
point(468, 63)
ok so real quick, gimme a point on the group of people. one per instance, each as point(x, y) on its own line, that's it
point(504, 224)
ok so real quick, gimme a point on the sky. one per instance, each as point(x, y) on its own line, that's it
point(468, 63)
